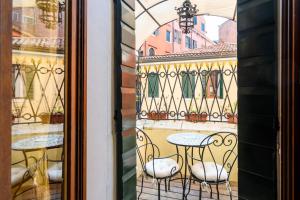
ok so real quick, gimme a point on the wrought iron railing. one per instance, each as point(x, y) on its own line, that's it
point(38, 91)
point(201, 91)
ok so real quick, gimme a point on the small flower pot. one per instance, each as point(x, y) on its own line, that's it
point(55, 118)
point(157, 116)
point(232, 119)
point(193, 117)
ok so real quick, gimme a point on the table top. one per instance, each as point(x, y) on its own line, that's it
point(39, 142)
point(188, 139)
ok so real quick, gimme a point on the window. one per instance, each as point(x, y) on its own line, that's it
point(203, 27)
point(168, 36)
point(156, 32)
point(177, 36)
point(195, 20)
point(151, 52)
point(194, 44)
point(153, 85)
point(216, 84)
point(188, 84)
point(28, 20)
point(188, 42)
point(141, 53)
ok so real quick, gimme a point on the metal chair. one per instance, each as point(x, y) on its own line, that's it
point(214, 161)
point(22, 172)
point(153, 165)
point(55, 169)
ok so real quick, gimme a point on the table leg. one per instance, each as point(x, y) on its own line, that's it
point(185, 170)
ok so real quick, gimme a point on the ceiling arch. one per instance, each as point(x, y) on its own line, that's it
point(151, 14)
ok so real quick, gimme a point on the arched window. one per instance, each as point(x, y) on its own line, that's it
point(151, 52)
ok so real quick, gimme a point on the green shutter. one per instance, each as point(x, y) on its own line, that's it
point(188, 85)
point(153, 85)
point(221, 82)
point(30, 84)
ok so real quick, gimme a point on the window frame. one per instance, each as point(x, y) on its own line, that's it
point(168, 36)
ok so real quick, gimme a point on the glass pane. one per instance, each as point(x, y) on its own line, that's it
point(38, 75)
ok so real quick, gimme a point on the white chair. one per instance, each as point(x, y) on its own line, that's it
point(153, 165)
point(214, 162)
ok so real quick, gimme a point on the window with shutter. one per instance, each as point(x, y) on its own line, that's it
point(153, 85)
point(188, 85)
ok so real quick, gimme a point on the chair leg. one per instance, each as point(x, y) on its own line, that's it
point(200, 192)
point(166, 186)
point(190, 183)
point(169, 184)
point(141, 187)
point(218, 194)
point(210, 191)
point(158, 185)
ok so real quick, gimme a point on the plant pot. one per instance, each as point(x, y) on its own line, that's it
point(193, 117)
point(232, 119)
point(157, 116)
point(55, 118)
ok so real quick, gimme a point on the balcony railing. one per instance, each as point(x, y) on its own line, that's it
point(199, 91)
point(38, 91)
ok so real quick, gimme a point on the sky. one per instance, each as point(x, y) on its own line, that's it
point(212, 26)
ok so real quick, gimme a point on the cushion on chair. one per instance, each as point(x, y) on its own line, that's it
point(212, 171)
point(163, 167)
point(55, 172)
point(17, 175)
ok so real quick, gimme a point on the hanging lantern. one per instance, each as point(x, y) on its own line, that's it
point(186, 15)
point(52, 12)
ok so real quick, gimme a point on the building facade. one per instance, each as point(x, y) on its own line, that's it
point(170, 39)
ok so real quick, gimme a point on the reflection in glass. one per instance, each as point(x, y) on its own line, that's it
point(38, 99)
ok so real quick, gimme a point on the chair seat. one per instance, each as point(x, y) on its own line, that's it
point(214, 172)
point(163, 167)
point(18, 175)
point(55, 172)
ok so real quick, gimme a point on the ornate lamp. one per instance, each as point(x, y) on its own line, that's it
point(186, 14)
point(51, 12)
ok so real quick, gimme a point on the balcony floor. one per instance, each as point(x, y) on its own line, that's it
point(150, 191)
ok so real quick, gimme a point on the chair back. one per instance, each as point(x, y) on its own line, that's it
point(220, 151)
point(145, 149)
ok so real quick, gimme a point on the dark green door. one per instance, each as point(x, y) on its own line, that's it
point(125, 98)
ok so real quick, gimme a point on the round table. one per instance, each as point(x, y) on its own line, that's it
point(37, 143)
point(187, 140)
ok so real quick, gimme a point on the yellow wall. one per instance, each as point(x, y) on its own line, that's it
point(226, 65)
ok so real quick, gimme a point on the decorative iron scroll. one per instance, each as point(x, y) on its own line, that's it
point(38, 92)
point(204, 91)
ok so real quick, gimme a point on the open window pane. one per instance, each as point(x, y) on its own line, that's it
point(38, 100)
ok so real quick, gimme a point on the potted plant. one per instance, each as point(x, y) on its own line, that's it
point(56, 117)
point(194, 116)
point(232, 118)
point(157, 115)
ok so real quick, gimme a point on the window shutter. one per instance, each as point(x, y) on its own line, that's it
point(30, 83)
point(257, 96)
point(153, 85)
point(125, 98)
point(221, 86)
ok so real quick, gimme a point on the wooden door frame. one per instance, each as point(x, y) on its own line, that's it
point(290, 84)
point(5, 94)
point(75, 86)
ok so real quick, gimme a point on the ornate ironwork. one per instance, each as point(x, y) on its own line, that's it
point(148, 152)
point(220, 153)
point(38, 90)
point(186, 14)
point(192, 92)
point(52, 12)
